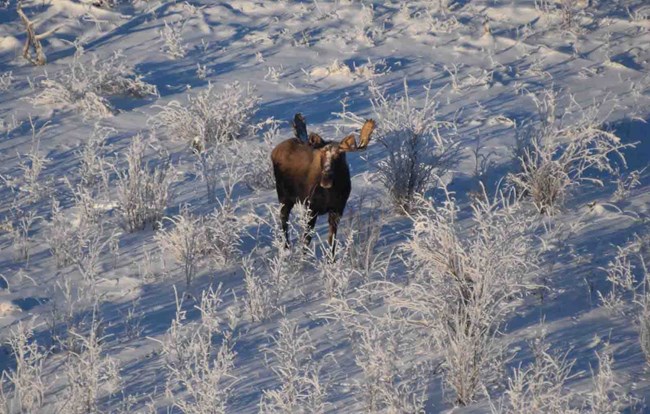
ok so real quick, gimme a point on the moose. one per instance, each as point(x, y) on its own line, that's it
point(313, 171)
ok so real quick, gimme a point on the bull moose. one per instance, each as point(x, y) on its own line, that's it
point(313, 171)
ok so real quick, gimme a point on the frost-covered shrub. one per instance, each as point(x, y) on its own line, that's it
point(84, 85)
point(20, 228)
point(266, 281)
point(268, 277)
point(93, 166)
point(360, 237)
point(26, 378)
point(90, 372)
point(557, 155)
point(629, 277)
point(210, 117)
point(200, 378)
point(172, 38)
point(222, 236)
point(31, 185)
point(143, 187)
point(644, 327)
point(261, 299)
point(220, 167)
point(606, 395)
point(184, 242)
point(623, 278)
point(194, 240)
point(419, 147)
point(384, 347)
point(74, 235)
point(6, 79)
point(301, 390)
point(464, 282)
point(255, 159)
point(540, 387)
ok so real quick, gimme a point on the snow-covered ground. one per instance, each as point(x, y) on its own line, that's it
point(108, 322)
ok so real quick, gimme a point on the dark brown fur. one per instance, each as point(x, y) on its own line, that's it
point(316, 173)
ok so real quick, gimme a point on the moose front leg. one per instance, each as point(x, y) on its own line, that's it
point(309, 231)
point(285, 211)
point(333, 220)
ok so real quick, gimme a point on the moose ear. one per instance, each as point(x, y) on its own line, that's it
point(315, 140)
point(348, 144)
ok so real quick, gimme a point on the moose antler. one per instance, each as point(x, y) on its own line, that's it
point(300, 127)
point(366, 132)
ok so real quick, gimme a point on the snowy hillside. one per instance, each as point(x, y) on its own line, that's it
point(492, 257)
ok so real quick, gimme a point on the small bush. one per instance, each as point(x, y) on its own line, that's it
point(210, 117)
point(94, 168)
point(418, 150)
point(194, 240)
point(540, 386)
point(90, 372)
point(6, 79)
point(142, 189)
point(465, 283)
point(184, 242)
point(26, 378)
point(256, 159)
point(200, 378)
point(301, 390)
point(606, 396)
point(555, 157)
point(172, 37)
point(83, 86)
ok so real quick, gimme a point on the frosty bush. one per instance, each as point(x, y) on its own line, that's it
point(26, 379)
point(606, 396)
point(91, 374)
point(418, 150)
point(210, 117)
point(261, 300)
point(384, 348)
point(172, 37)
point(301, 390)
point(220, 166)
point(142, 189)
point(629, 277)
point(266, 281)
point(621, 275)
point(83, 86)
point(6, 79)
point(67, 235)
point(31, 185)
point(20, 228)
point(464, 284)
point(540, 387)
point(644, 328)
point(94, 168)
point(556, 155)
point(268, 277)
point(193, 240)
point(222, 236)
point(255, 160)
point(184, 242)
point(200, 377)
point(360, 237)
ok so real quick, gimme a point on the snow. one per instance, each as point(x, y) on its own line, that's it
point(484, 60)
